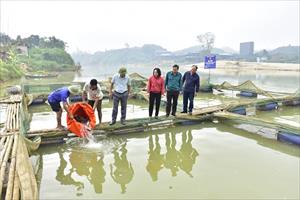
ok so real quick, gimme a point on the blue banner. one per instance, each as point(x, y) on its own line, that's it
point(210, 62)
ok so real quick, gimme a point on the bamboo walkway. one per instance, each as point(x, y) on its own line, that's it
point(16, 174)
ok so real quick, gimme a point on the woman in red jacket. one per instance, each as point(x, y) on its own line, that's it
point(155, 88)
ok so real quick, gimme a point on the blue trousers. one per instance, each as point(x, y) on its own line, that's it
point(188, 96)
point(116, 98)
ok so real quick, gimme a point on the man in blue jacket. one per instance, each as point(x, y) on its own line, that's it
point(191, 84)
point(61, 95)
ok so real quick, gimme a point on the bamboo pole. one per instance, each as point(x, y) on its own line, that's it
point(24, 168)
point(4, 151)
point(3, 137)
point(7, 118)
point(4, 163)
point(18, 117)
point(10, 118)
point(12, 169)
point(13, 117)
point(16, 189)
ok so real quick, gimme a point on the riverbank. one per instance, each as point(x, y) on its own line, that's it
point(253, 66)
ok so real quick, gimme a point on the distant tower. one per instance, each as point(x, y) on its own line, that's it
point(246, 49)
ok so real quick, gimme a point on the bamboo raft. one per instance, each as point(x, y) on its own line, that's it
point(144, 124)
point(16, 173)
point(206, 113)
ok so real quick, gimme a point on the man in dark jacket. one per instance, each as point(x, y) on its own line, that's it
point(191, 84)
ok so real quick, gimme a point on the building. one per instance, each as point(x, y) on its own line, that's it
point(246, 49)
point(22, 50)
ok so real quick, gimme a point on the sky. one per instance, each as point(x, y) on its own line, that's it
point(102, 25)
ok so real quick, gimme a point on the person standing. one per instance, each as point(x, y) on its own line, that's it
point(61, 95)
point(121, 84)
point(191, 84)
point(173, 87)
point(155, 88)
point(93, 94)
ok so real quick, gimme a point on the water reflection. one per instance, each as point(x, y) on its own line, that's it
point(66, 179)
point(156, 159)
point(188, 153)
point(122, 171)
point(173, 159)
point(89, 165)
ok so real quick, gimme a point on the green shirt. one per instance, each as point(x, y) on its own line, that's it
point(173, 81)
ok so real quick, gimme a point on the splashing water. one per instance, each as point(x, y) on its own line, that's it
point(90, 140)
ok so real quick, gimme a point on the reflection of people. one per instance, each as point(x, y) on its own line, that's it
point(97, 174)
point(83, 164)
point(66, 179)
point(123, 172)
point(172, 155)
point(156, 159)
point(188, 154)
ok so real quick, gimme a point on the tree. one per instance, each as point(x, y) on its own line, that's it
point(32, 41)
point(206, 41)
point(5, 39)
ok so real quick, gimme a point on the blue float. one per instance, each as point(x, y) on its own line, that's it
point(248, 94)
point(75, 98)
point(267, 106)
point(289, 138)
point(241, 110)
point(206, 89)
point(38, 101)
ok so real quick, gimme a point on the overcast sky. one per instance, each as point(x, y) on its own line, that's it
point(100, 25)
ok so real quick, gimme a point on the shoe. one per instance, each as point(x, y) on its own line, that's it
point(167, 115)
point(190, 113)
point(112, 123)
point(156, 117)
point(123, 122)
point(174, 115)
point(183, 112)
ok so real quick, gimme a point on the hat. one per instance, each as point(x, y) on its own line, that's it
point(122, 70)
point(74, 89)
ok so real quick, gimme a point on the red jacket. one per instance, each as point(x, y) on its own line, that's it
point(156, 85)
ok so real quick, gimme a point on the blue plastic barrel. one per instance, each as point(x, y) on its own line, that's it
point(248, 94)
point(76, 98)
point(289, 138)
point(241, 110)
point(37, 101)
point(206, 89)
point(268, 106)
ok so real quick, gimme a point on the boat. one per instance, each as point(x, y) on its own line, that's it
point(41, 75)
